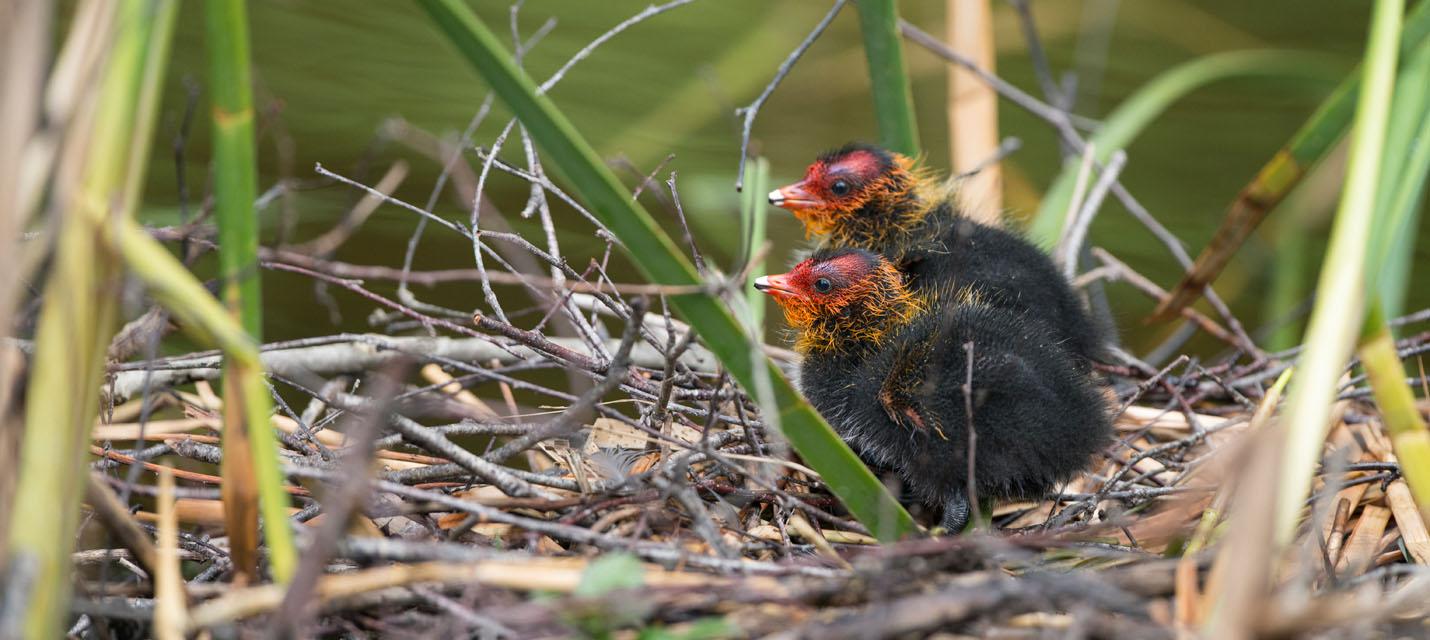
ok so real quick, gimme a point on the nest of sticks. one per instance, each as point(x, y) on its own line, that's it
point(443, 483)
point(707, 518)
point(649, 493)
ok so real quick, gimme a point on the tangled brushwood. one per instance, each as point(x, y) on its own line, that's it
point(687, 511)
point(571, 459)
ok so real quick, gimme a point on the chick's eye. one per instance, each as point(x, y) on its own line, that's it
point(823, 285)
point(839, 188)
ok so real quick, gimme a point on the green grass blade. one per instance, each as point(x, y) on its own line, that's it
point(1402, 182)
point(1336, 320)
point(753, 215)
point(888, 76)
point(235, 179)
point(198, 313)
point(1148, 102)
point(660, 261)
point(1395, 271)
point(1289, 285)
point(78, 316)
point(1256, 200)
point(1284, 171)
point(250, 464)
point(1405, 162)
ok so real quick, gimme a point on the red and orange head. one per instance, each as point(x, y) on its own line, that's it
point(842, 183)
point(841, 296)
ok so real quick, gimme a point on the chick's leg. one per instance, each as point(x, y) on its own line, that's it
point(955, 513)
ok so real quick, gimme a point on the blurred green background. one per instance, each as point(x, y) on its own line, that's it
point(332, 74)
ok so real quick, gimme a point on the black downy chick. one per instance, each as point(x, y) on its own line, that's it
point(886, 366)
point(867, 197)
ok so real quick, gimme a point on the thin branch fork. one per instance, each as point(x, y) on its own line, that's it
point(580, 411)
point(748, 112)
point(1066, 125)
point(1120, 270)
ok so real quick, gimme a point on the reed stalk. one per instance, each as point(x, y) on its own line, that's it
point(1405, 164)
point(973, 110)
point(250, 465)
point(888, 76)
point(78, 316)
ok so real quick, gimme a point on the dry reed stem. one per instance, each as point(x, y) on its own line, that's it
point(171, 603)
point(973, 110)
point(1364, 543)
point(559, 575)
point(208, 513)
point(434, 374)
point(1409, 522)
point(801, 526)
point(117, 519)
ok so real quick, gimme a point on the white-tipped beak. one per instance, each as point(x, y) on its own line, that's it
point(795, 197)
point(776, 285)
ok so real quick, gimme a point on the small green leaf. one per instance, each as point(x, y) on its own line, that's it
point(702, 629)
point(609, 573)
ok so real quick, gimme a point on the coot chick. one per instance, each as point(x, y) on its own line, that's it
point(886, 367)
point(867, 197)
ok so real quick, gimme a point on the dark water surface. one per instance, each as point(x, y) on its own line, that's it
point(331, 73)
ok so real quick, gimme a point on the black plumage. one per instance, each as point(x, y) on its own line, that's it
point(891, 384)
point(1008, 272)
point(890, 207)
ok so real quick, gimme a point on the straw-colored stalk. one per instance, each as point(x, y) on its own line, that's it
point(1236, 580)
point(1398, 411)
point(973, 110)
point(78, 316)
point(1336, 320)
point(24, 49)
point(535, 574)
point(170, 602)
point(25, 34)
